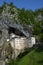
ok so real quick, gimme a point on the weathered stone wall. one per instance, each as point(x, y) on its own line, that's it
point(2, 62)
point(19, 44)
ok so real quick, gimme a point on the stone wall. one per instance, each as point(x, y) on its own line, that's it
point(19, 44)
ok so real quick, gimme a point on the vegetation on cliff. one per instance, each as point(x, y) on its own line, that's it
point(26, 17)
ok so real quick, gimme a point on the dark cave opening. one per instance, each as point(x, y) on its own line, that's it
point(15, 31)
point(0, 34)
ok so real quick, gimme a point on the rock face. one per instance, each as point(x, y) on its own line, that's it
point(2, 63)
point(13, 37)
point(17, 44)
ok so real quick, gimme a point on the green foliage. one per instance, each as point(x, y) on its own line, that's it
point(1, 9)
point(26, 16)
point(40, 36)
point(11, 4)
point(11, 62)
point(37, 28)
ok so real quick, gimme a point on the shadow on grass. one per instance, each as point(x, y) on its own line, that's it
point(40, 62)
point(26, 51)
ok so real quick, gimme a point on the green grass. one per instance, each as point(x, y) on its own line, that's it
point(33, 58)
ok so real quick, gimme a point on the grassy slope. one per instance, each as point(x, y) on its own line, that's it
point(32, 58)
